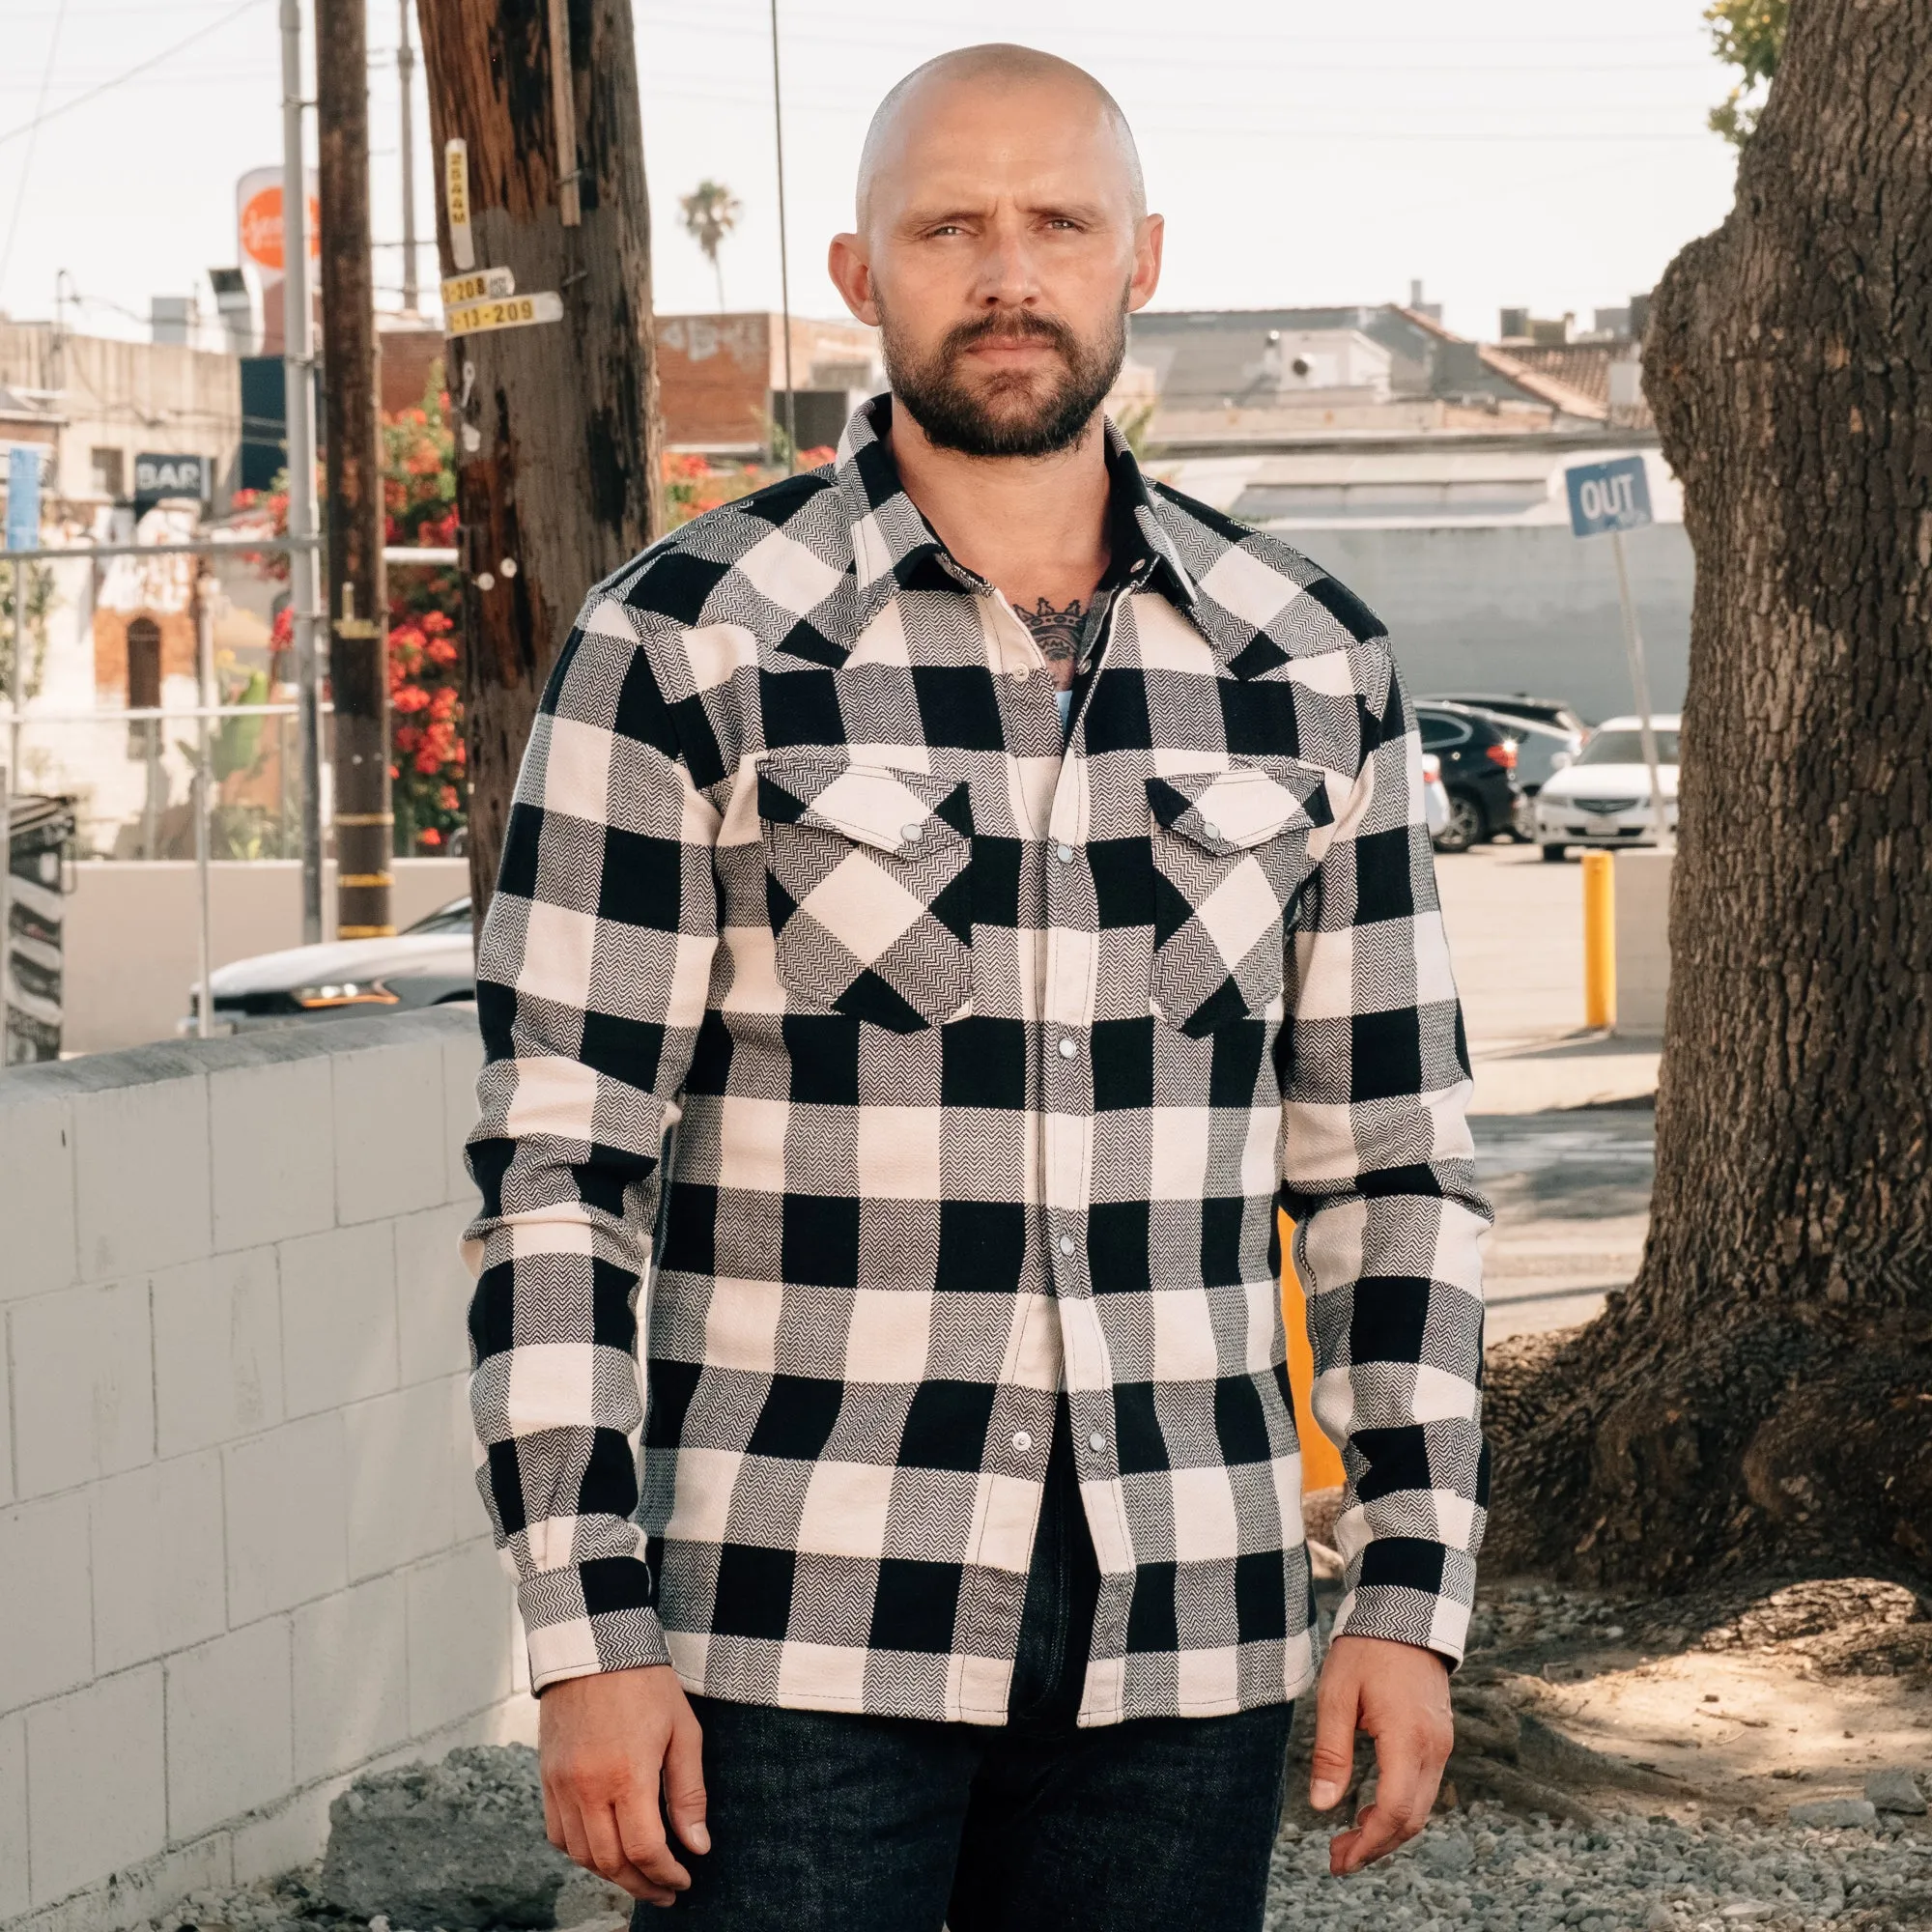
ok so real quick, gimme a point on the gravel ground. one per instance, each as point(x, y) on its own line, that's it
point(1483, 1868)
point(1479, 1867)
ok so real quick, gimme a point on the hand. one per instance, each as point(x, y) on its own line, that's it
point(1399, 1694)
point(608, 1745)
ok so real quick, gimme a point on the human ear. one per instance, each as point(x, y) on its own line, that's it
point(852, 276)
point(1149, 232)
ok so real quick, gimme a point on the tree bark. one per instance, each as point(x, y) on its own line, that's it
point(556, 423)
point(1763, 1394)
point(354, 601)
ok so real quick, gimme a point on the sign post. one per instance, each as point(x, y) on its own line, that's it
point(1606, 499)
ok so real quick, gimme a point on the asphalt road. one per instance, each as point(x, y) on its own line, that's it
point(1562, 1121)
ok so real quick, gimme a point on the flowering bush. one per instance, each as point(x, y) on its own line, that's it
point(693, 484)
point(427, 761)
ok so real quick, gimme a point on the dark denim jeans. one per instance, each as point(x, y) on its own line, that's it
point(824, 1822)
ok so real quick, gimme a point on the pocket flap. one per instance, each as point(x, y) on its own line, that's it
point(1242, 807)
point(876, 804)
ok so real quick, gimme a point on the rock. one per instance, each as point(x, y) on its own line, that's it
point(457, 1845)
point(1835, 1813)
point(1445, 1852)
point(1896, 1790)
point(585, 1898)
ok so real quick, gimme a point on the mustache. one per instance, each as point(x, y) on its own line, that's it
point(1023, 325)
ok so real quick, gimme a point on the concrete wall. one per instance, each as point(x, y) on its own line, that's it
point(1520, 610)
point(131, 933)
point(1643, 940)
point(241, 1552)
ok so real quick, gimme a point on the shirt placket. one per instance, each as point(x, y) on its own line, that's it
point(1068, 1002)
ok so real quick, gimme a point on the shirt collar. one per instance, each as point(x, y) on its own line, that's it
point(893, 547)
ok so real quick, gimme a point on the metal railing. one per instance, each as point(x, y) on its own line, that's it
point(245, 791)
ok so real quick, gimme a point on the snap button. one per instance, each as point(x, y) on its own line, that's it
point(1066, 1244)
point(1212, 830)
point(1068, 1049)
point(1065, 854)
point(1022, 1441)
point(1097, 1440)
point(912, 834)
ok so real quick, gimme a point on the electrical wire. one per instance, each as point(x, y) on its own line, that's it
point(27, 164)
point(121, 80)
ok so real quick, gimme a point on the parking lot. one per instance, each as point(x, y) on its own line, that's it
point(1563, 1126)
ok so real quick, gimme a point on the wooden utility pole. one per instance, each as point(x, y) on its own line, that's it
point(358, 604)
point(553, 380)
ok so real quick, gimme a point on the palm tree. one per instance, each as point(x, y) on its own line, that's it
point(711, 212)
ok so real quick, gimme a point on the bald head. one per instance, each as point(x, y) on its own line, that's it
point(953, 81)
point(1003, 240)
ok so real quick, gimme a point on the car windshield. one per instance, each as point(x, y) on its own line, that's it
point(1626, 747)
point(451, 918)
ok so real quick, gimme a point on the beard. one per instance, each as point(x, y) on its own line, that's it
point(1034, 412)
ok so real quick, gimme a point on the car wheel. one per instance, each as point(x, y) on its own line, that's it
point(1555, 855)
point(1465, 827)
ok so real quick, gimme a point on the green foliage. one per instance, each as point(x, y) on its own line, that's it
point(1134, 424)
point(39, 600)
point(1750, 36)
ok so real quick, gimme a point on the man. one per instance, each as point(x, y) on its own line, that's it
point(952, 899)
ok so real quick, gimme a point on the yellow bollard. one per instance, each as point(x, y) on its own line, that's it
point(1600, 939)
point(1321, 1460)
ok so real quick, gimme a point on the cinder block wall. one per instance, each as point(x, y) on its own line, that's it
point(241, 1555)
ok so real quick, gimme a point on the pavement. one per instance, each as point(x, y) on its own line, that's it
point(1562, 1116)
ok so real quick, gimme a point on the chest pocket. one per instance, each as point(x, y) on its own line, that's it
point(868, 881)
point(1229, 854)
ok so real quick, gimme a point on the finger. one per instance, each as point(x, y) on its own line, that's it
point(570, 1823)
point(684, 1784)
point(552, 1819)
point(609, 1855)
point(641, 1824)
point(1393, 1818)
point(1333, 1759)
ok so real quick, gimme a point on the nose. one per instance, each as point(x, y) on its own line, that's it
point(1007, 279)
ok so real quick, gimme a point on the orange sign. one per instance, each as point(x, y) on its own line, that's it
point(261, 224)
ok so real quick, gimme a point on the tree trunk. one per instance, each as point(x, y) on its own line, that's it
point(1763, 1394)
point(557, 422)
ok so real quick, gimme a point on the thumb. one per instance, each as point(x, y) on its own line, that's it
point(1332, 1762)
point(684, 1784)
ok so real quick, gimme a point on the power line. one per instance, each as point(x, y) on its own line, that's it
point(120, 79)
point(27, 165)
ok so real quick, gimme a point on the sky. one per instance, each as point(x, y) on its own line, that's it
point(1544, 153)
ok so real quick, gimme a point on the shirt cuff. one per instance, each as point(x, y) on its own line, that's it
point(590, 1618)
point(1401, 1615)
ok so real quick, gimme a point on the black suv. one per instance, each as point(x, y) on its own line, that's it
point(1478, 771)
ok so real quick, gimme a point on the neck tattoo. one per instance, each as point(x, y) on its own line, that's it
point(1057, 632)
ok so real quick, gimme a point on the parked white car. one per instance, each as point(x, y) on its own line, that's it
point(1603, 797)
point(1434, 795)
point(427, 964)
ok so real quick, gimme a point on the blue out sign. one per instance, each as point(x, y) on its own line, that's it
point(1606, 497)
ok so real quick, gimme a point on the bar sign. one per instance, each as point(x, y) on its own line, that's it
point(456, 198)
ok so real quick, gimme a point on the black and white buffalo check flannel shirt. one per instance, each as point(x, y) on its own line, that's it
point(923, 1071)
